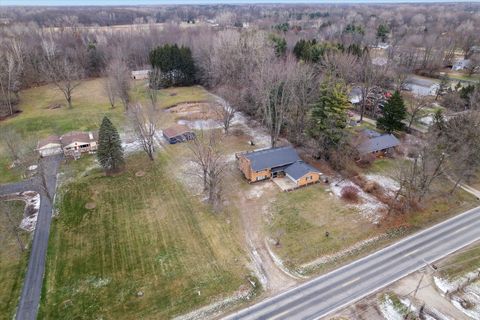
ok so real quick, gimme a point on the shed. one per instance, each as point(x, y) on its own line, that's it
point(140, 74)
point(49, 146)
point(383, 143)
point(178, 133)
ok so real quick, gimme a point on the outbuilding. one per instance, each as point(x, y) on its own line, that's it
point(178, 133)
point(380, 144)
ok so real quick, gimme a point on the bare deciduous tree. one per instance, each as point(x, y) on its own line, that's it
point(144, 120)
point(414, 108)
point(12, 225)
point(109, 88)
point(118, 71)
point(64, 72)
point(206, 153)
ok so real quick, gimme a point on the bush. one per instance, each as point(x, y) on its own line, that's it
point(350, 193)
point(366, 160)
point(372, 187)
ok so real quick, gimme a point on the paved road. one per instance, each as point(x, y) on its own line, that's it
point(328, 293)
point(32, 287)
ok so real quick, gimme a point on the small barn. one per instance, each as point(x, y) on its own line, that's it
point(77, 142)
point(178, 133)
point(49, 146)
point(378, 144)
point(140, 74)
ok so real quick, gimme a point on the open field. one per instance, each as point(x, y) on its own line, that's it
point(90, 104)
point(13, 261)
point(146, 234)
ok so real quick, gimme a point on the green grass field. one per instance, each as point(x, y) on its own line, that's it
point(89, 106)
point(13, 261)
point(462, 263)
point(145, 234)
point(301, 219)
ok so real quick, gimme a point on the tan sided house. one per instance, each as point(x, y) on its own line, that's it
point(75, 143)
point(277, 162)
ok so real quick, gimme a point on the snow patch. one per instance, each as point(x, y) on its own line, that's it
point(389, 311)
point(369, 207)
point(388, 184)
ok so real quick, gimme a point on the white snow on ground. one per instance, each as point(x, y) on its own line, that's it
point(201, 124)
point(470, 291)
point(252, 128)
point(130, 143)
point(213, 310)
point(389, 311)
point(388, 184)
point(369, 206)
point(338, 255)
point(31, 200)
point(32, 205)
point(190, 176)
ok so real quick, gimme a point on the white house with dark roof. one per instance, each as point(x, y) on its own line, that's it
point(49, 146)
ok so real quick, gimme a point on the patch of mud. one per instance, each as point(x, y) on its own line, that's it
point(369, 206)
point(257, 189)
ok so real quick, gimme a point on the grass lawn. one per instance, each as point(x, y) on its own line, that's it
point(89, 106)
point(13, 261)
point(145, 234)
point(462, 263)
point(301, 218)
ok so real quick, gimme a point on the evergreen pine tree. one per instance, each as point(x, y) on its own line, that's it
point(110, 151)
point(328, 117)
point(394, 112)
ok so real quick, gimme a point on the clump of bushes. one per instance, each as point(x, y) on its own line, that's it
point(350, 193)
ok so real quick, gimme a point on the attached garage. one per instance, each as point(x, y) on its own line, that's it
point(49, 146)
point(302, 174)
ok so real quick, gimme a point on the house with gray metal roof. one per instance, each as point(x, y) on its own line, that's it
point(282, 162)
point(383, 143)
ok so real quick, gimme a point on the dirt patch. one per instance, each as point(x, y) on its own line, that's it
point(139, 173)
point(196, 111)
point(90, 205)
point(54, 106)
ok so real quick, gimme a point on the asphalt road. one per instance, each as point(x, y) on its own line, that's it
point(339, 288)
point(30, 298)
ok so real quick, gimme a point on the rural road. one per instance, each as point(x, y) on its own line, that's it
point(32, 287)
point(339, 288)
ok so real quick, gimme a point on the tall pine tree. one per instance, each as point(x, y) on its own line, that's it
point(394, 112)
point(110, 151)
point(328, 117)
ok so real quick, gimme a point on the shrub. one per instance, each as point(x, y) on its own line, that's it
point(366, 160)
point(350, 193)
point(372, 187)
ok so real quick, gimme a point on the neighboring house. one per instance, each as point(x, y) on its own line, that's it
point(140, 74)
point(178, 133)
point(75, 143)
point(277, 162)
point(378, 144)
point(49, 146)
point(461, 64)
point(421, 86)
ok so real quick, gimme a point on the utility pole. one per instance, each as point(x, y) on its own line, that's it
point(414, 294)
